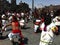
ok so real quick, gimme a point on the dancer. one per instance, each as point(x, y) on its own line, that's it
point(15, 29)
point(48, 29)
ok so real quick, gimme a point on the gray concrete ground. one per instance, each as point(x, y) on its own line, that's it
point(30, 37)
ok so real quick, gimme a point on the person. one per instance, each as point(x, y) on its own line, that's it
point(15, 29)
point(4, 21)
point(36, 24)
point(48, 28)
point(0, 26)
point(10, 17)
point(22, 15)
point(56, 20)
point(22, 23)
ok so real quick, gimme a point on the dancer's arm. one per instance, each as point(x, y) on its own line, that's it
point(6, 26)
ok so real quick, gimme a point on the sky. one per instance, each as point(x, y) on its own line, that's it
point(40, 3)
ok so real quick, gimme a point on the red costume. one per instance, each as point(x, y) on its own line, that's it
point(18, 31)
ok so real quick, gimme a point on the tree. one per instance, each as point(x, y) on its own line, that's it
point(4, 5)
point(23, 7)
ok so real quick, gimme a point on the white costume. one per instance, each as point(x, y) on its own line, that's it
point(22, 14)
point(11, 35)
point(4, 22)
point(8, 13)
point(56, 20)
point(10, 18)
point(46, 36)
point(22, 22)
point(36, 25)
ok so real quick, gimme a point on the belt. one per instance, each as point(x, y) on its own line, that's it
point(45, 41)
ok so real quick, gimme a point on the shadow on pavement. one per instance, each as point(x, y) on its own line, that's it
point(3, 37)
point(15, 43)
point(38, 31)
point(26, 27)
point(25, 41)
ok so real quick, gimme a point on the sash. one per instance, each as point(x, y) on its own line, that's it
point(45, 28)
